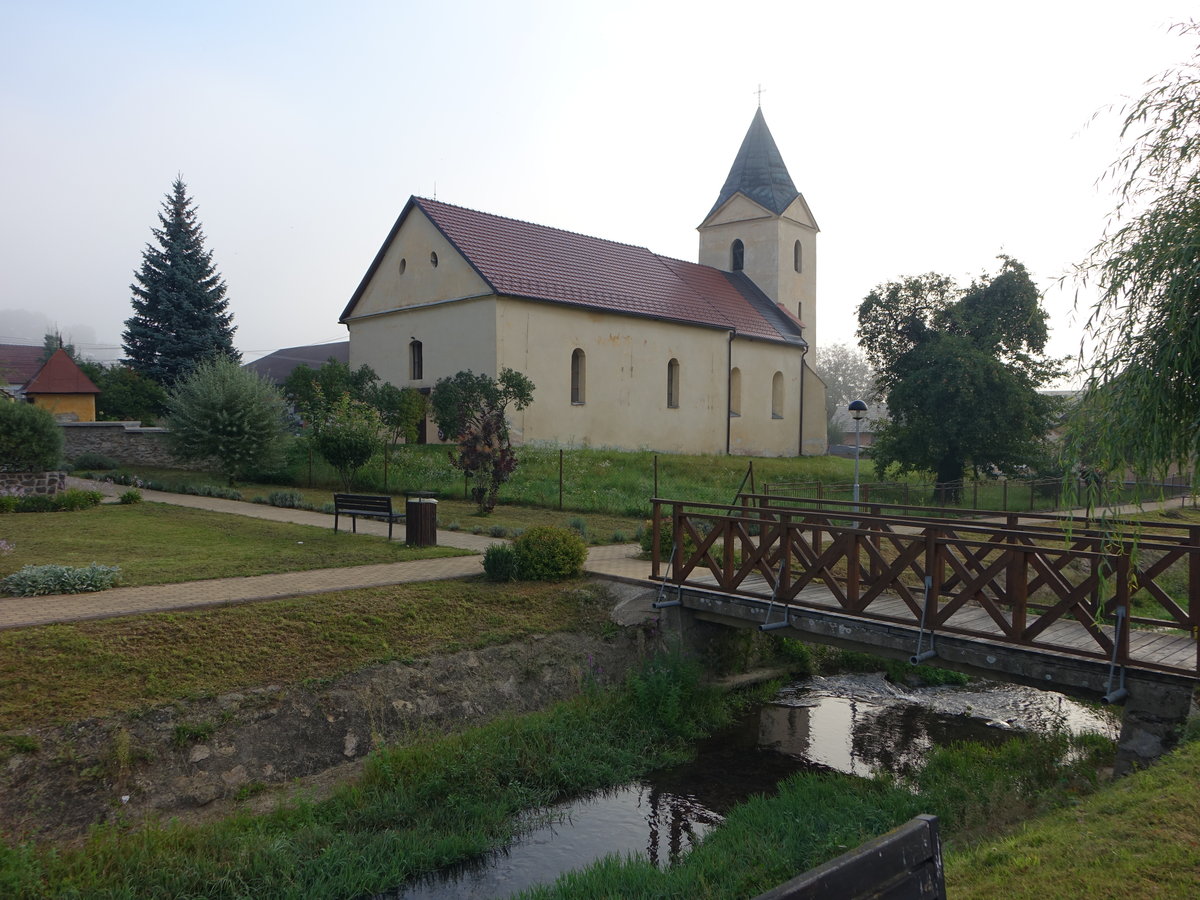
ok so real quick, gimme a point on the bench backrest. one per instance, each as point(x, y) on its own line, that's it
point(363, 502)
point(906, 862)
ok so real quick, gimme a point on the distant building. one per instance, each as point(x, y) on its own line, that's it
point(58, 385)
point(277, 366)
point(626, 348)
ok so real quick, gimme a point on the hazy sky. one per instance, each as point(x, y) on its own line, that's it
point(925, 137)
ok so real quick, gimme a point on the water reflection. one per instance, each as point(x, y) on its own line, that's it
point(859, 724)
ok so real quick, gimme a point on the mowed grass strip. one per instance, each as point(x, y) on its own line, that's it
point(59, 673)
point(156, 543)
point(1140, 837)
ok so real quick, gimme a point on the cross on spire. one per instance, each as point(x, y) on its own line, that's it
point(760, 93)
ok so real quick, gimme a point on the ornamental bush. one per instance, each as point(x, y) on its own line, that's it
point(37, 581)
point(500, 563)
point(30, 439)
point(548, 553)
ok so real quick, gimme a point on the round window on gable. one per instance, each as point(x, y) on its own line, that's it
point(433, 259)
point(403, 265)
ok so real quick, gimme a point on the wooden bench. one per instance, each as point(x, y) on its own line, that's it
point(904, 863)
point(366, 505)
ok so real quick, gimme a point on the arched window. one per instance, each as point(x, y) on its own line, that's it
point(416, 365)
point(735, 392)
point(578, 376)
point(737, 256)
point(673, 384)
point(777, 396)
point(798, 257)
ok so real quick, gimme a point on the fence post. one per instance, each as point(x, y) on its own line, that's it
point(655, 474)
point(1004, 501)
point(975, 494)
point(656, 540)
point(752, 478)
point(1194, 588)
point(1031, 495)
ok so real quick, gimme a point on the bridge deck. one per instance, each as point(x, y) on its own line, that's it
point(1151, 649)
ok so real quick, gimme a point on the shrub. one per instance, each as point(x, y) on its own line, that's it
point(133, 495)
point(500, 563)
point(30, 439)
point(36, 581)
point(548, 553)
point(223, 412)
point(498, 531)
point(286, 499)
point(64, 501)
point(579, 525)
point(90, 460)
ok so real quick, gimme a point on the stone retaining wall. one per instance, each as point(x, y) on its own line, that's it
point(33, 482)
point(127, 442)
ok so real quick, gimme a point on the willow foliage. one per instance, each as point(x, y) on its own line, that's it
point(1144, 381)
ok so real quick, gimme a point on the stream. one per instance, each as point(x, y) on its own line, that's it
point(858, 724)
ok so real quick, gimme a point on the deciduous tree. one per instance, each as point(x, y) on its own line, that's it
point(959, 370)
point(180, 314)
point(847, 376)
point(471, 409)
point(1144, 377)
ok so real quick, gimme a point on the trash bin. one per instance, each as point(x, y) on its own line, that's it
point(420, 519)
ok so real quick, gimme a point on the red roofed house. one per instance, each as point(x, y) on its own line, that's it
point(626, 348)
point(58, 384)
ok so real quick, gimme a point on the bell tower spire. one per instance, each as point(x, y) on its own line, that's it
point(762, 226)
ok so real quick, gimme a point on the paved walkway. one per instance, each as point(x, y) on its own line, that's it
point(614, 561)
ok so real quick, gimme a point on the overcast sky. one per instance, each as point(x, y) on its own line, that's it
point(925, 137)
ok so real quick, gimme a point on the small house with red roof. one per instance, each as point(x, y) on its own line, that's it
point(58, 384)
point(627, 348)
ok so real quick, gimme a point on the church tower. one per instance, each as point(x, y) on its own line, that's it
point(762, 226)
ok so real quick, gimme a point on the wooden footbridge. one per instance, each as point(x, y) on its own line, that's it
point(1102, 608)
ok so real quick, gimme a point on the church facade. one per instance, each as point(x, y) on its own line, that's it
point(627, 349)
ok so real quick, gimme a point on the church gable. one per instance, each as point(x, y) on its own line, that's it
point(799, 213)
point(416, 265)
point(738, 208)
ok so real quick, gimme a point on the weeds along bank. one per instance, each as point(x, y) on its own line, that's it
point(432, 801)
point(176, 759)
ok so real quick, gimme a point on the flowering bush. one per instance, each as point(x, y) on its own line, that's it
point(37, 581)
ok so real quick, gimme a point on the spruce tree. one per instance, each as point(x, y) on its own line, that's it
point(180, 311)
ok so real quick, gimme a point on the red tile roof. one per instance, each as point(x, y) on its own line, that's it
point(60, 375)
point(520, 259)
point(19, 362)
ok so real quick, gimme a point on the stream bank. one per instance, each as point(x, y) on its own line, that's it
point(203, 758)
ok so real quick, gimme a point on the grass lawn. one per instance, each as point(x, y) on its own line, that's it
point(156, 543)
point(1140, 837)
point(57, 673)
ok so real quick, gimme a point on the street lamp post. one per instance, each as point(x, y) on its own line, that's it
point(858, 411)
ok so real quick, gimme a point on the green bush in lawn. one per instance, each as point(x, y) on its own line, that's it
point(133, 495)
point(37, 581)
point(500, 563)
point(548, 553)
point(30, 439)
point(90, 460)
point(63, 501)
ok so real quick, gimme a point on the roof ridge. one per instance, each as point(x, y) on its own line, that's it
point(590, 237)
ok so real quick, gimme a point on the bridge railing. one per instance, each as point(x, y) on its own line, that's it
point(1018, 582)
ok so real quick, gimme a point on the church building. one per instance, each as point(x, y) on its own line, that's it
point(626, 348)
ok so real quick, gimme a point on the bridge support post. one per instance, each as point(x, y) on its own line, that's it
point(1154, 715)
point(696, 637)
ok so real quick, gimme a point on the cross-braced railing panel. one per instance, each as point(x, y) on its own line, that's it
point(1072, 591)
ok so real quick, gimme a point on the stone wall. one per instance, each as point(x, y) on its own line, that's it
point(127, 442)
point(33, 482)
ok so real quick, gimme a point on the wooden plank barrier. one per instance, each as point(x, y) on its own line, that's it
point(904, 864)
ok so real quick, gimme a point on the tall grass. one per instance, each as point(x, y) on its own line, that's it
point(815, 817)
point(613, 482)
